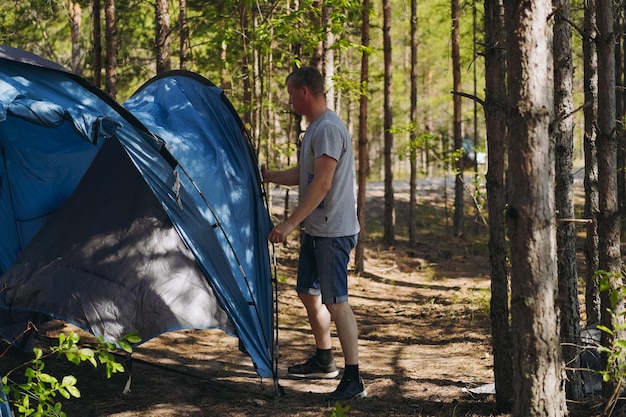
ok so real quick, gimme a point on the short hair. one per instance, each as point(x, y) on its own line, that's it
point(307, 77)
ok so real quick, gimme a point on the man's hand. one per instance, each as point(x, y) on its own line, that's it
point(279, 233)
point(264, 174)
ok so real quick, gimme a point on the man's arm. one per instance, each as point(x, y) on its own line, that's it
point(318, 188)
point(289, 176)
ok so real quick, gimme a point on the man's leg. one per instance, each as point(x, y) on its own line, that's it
point(322, 364)
point(347, 330)
point(319, 319)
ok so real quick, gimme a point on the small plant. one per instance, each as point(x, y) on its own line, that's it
point(339, 410)
point(615, 369)
point(36, 395)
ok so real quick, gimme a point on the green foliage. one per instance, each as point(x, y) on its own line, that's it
point(615, 369)
point(36, 393)
point(339, 410)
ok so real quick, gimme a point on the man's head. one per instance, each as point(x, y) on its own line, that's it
point(306, 92)
point(307, 77)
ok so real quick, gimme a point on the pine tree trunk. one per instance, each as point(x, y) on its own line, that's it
point(458, 222)
point(184, 34)
point(413, 133)
point(97, 44)
point(389, 221)
point(328, 55)
point(363, 162)
point(162, 36)
point(564, 198)
point(495, 122)
point(75, 14)
point(608, 217)
point(537, 365)
point(110, 81)
point(592, 208)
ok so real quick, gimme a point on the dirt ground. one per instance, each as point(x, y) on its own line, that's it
point(424, 337)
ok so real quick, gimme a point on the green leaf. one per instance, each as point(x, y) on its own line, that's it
point(69, 380)
point(38, 353)
point(604, 329)
point(64, 393)
point(47, 378)
point(74, 391)
point(29, 372)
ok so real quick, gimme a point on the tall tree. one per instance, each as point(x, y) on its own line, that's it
point(75, 15)
point(495, 123)
point(97, 44)
point(362, 151)
point(458, 222)
point(564, 197)
point(413, 131)
point(328, 55)
point(608, 217)
point(592, 205)
point(389, 212)
point(537, 364)
point(184, 34)
point(162, 41)
point(110, 35)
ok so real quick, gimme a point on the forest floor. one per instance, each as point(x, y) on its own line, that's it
point(423, 317)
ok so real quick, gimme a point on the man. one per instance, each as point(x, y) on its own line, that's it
point(327, 204)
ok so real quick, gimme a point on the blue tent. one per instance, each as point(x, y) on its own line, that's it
point(147, 217)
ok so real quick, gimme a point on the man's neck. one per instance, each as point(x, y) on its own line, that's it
point(317, 111)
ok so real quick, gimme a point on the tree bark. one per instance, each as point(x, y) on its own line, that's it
point(162, 36)
point(608, 217)
point(328, 55)
point(537, 365)
point(592, 205)
point(184, 34)
point(413, 131)
point(110, 18)
point(458, 225)
point(389, 221)
point(97, 44)
point(495, 123)
point(363, 162)
point(564, 198)
point(75, 15)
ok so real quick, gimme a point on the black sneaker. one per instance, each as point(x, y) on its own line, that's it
point(313, 369)
point(348, 389)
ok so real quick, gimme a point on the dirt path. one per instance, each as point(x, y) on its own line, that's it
point(424, 341)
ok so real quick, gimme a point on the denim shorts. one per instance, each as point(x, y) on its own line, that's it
point(323, 267)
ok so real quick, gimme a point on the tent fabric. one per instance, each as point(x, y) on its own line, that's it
point(104, 223)
point(207, 137)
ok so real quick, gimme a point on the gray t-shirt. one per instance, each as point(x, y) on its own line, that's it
point(336, 214)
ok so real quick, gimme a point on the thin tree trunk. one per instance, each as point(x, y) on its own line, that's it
point(245, 67)
point(608, 218)
point(184, 34)
point(619, 109)
point(328, 55)
point(495, 122)
point(537, 364)
point(458, 222)
point(592, 208)
point(389, 215)
point(162, 36)
point(564, 198)
point(363, 162)
point(75, 15)
point(413, 133)
point(97, 44)
point(316, 23)
point(110, 82)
